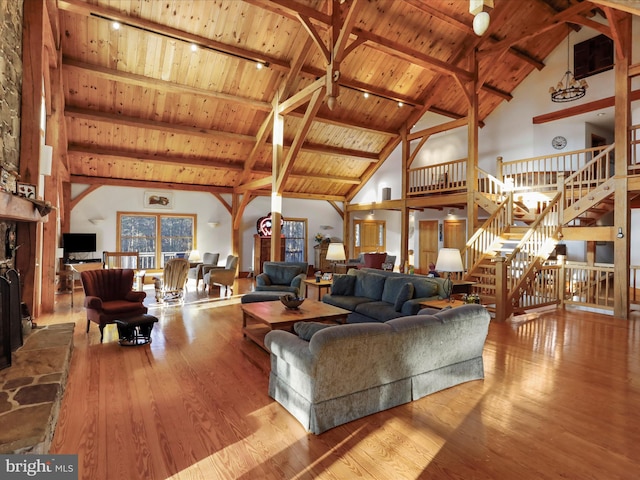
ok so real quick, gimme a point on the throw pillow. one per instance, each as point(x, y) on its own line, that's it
point(306, 330)
point(343, 285)
point(405, 293)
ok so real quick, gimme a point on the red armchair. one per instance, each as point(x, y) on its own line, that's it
point(374, 260)
point(108, 296)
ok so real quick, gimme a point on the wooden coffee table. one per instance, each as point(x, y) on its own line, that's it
point(259, 318)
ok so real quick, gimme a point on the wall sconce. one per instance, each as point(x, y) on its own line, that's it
point(620, 234)
point(96, 221)
point(213, 224)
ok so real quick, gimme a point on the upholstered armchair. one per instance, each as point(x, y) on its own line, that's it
point(197, 271)
point(174, 277)
point(108, 296)
point(374, 260)
point(282, 277)
point(223, 276)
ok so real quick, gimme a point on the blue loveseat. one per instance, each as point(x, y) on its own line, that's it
point(377, 295)
point(281, 277)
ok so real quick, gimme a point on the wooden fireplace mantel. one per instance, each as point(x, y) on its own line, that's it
point(19, 209)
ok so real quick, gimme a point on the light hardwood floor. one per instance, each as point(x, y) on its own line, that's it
point(561, 399)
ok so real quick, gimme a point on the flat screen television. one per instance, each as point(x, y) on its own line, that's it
point(78, 242)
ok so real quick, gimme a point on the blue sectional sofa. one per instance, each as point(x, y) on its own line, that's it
point(377, 296)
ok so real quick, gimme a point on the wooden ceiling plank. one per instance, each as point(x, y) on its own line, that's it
point(162, 126)
point(81, 8)
point(161, 85)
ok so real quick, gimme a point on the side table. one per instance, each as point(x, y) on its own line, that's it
point(315, 290)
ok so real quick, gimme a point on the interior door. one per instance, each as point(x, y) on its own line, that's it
point(428, 244)
point(455, 234)
point(369, 236)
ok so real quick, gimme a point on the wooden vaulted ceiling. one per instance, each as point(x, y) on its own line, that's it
point(141, 106)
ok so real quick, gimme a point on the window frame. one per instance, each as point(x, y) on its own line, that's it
point(158, 235)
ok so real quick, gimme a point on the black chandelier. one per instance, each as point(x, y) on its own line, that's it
point(568, 88)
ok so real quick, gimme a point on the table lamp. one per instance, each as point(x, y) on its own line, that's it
point(335, 253)
point(449, 260)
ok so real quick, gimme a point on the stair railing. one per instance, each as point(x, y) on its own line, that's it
point(489, 233)
point(593, 174)
point(534, 248)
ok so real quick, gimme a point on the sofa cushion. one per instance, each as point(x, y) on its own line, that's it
point(343, 285)
point(344, 301)
point(369, 285)
point(281, 274)
point(305, 330)
point(378, 311)
point(424, 288)
point(405, 294)
point(392, 287)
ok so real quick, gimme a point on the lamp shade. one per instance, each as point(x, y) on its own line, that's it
point(194, 256)
point(335, 252)
point(449, 260)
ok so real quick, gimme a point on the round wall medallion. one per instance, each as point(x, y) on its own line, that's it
point(559, 142)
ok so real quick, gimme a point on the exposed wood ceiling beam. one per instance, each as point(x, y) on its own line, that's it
point(106, 154)
point(305, 196)
point(629, 6)
point(93, 115)
point(536, 29)
point(312, 109)
point(468, 29)
point(583, 108)
point(125, 182)
point(292, 9)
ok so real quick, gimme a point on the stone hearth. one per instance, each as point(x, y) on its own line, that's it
point(31, 389)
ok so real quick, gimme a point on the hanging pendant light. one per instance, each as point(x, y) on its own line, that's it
point(568, 88)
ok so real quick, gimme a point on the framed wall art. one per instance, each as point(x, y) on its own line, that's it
point(158, 200)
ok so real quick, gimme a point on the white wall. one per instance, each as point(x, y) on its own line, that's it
point(319, 214)
point(107, 201)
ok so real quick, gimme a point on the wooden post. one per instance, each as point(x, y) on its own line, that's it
point(502, 309)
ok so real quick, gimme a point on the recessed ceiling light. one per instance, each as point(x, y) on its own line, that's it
point(194, 47)
point(116, 25)
point(365, 94)
point(259, 65)
point(400, 104)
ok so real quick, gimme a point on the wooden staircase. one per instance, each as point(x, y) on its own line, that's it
point(507, 253)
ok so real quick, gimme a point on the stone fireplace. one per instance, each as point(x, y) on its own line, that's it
point(10, 310)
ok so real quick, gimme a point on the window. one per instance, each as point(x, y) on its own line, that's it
point(157, 238)
point(295, 233)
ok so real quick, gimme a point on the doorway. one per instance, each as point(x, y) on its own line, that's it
point(369, 236)
point(428, 244)
point(455, 234)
